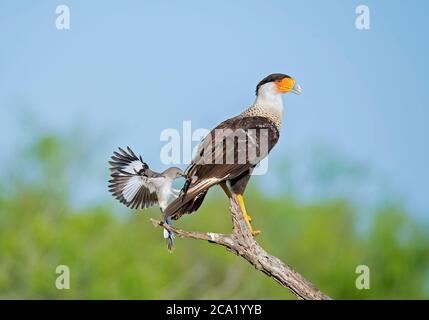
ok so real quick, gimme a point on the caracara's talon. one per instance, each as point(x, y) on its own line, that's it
point(253, 232)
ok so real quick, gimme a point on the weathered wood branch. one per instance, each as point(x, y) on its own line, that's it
point(242, 243)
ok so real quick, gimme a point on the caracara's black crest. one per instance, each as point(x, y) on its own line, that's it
point(271, 78)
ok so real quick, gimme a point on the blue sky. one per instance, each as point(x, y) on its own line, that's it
point(122, 64)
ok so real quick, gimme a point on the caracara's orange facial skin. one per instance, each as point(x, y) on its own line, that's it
point(285, 85)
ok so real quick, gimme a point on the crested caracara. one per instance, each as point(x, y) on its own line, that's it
point(230, 152)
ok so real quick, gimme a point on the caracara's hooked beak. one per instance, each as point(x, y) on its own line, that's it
point(296, 88)
point(288, 85)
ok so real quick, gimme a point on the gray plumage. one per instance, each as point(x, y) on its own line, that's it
point(135, 185)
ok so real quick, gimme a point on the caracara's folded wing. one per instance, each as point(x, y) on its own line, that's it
point(231, 149)
point(133, 183)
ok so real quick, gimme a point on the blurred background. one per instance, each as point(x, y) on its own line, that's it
point(346, 184)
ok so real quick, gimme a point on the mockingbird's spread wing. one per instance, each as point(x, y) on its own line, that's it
point(133, 183)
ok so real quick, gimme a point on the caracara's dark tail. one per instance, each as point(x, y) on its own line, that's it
point(189, 201)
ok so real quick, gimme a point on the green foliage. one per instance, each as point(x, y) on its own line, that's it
point(121, 256)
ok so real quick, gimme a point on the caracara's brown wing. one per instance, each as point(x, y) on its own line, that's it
point(235, 146)
point(132, 183)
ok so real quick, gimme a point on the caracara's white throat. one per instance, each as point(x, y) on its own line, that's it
point(268, 103)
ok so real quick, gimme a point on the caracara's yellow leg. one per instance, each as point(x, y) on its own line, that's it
point(240, 200)
point(243, 207)
point(229, 195)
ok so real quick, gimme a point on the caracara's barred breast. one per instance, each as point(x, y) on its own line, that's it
point(259, 111)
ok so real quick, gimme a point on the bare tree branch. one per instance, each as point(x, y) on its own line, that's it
point(242, 243)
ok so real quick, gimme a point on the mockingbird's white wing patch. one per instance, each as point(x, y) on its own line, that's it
point(133, 183)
